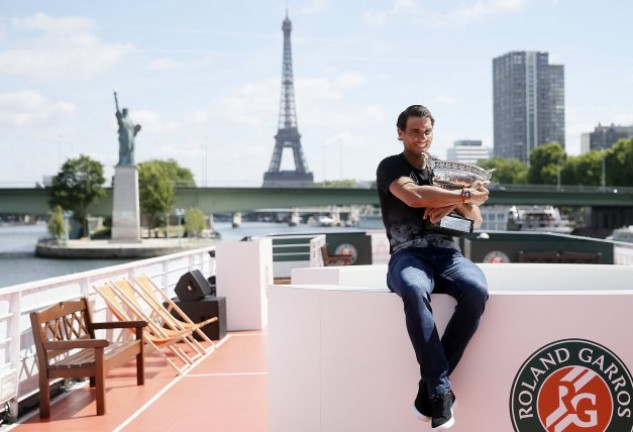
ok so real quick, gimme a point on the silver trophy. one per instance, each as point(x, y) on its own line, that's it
point(453, 176)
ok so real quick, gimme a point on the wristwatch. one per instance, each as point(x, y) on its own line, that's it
point(466, 195)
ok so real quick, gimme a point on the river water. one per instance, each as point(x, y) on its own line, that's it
point(18, 263)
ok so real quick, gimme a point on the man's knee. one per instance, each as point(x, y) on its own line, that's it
point(475, 295)
point(479, 295)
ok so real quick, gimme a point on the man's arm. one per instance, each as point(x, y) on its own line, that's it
point(468, 211)
point(439, 202)
point(418, 196)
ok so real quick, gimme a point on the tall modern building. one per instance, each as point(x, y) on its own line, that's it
point(467, 151)
point(529, 103)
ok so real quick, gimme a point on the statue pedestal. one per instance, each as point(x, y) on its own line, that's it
point(126, 222)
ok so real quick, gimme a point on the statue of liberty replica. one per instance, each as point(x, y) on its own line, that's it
point(126, 225)
point(127, 133)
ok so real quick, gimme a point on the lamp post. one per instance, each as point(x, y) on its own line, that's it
point(560, 158)
point(603, 178)
point(179, 213)
point(67, 215)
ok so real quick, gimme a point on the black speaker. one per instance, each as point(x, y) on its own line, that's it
point(193, 286)
point(201, 310)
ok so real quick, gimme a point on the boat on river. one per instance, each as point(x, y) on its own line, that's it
point(525, 218)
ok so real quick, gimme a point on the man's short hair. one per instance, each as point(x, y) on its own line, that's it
point(413, 111)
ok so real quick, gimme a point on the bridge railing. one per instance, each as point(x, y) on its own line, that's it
point(226, 200)
point(563, 188)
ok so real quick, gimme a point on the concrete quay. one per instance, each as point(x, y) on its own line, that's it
point(108, 249)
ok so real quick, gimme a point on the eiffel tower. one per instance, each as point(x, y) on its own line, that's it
point(288, 134)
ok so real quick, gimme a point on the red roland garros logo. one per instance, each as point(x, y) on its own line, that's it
point(572, 385)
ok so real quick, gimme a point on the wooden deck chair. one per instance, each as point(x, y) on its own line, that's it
point(153, 336)
point(334, 260)
point(148, 288)
point(159, 315)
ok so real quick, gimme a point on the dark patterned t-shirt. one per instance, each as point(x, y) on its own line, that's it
point(405, 226)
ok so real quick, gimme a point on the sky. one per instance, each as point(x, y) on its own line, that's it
point(203, 78)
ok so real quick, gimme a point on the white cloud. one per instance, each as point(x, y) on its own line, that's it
point(378, 18)
point(314, 6)
point(60, 48)
point(406, 6)
point(28, 107)
point(333, 119)
point(164, 64)
point(200, 116)
point(480, 9)
point(256, 105)
point(202, 61)
point(249, 105)
point(152, 121)
point(52, 25)
point(464, 12)
point(443, 99)
point(330, 88)
point(349, 80)
point(375, 17)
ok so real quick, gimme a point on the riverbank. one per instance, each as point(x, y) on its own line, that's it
point(106, 249)
point(18, 263)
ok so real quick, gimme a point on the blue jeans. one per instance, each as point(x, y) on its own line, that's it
point(414, 274)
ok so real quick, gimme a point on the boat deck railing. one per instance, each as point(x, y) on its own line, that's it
point(18, 364)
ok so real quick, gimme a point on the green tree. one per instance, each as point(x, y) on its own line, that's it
point(180, 176)
point(507, 171)
point(194, 222)
point(346, 183)
point(156, 181)
point(545, 162)
point(56, 223)
point(618, 163)
point(78, 184)
point(156, 191)
point(585, 169)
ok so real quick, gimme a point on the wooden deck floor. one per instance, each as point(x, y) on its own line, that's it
point(226, 391)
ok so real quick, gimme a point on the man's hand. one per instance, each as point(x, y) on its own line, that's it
point(479, 193)
point(438, 213)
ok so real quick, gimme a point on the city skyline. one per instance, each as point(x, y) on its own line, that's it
point(204, 80)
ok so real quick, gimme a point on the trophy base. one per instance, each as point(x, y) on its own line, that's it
point(454, 225)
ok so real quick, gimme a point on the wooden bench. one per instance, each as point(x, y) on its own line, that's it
point(539, 257)
point(581, 257)
point(334, 260)
point(66, 347)
point(560, 257)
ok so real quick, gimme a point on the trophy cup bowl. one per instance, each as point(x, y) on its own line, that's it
point(453, 176)
point(457, 175)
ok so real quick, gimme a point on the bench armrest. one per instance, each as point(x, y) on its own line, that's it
point(76, 343)
point(118, 324)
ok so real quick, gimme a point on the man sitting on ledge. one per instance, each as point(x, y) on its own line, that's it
point(424, 261)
